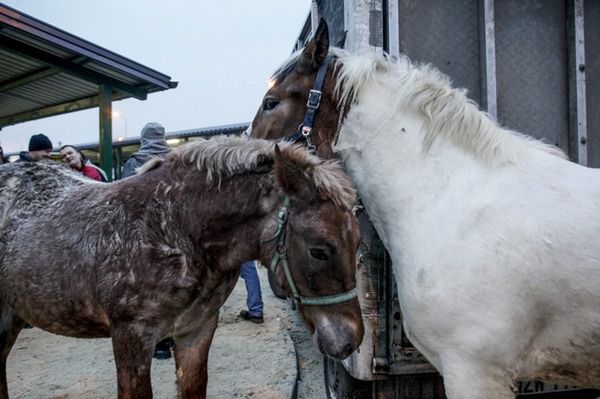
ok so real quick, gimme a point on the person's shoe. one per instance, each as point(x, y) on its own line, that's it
point(244, 314)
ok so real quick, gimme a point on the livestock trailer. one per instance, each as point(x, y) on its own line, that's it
point(534, 65)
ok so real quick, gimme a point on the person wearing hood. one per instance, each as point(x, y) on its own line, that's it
point(153, 144)
point(40, 147)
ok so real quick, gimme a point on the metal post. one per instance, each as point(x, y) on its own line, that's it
point(119, 161)
point(393, 28)
point(580, 94)
point(105, 142)
point(491, 95)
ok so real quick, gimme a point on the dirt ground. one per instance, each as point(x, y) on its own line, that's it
point(246, 360)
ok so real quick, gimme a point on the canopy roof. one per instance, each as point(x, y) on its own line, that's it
point(46, 71)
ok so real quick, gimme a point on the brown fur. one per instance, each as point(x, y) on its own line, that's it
point(293, 81)
point(157, 254)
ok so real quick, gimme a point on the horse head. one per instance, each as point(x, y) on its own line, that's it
point(314, 245)
point(303, 83)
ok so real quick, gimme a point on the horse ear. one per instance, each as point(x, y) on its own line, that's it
point(290, 176)
point(315, 51)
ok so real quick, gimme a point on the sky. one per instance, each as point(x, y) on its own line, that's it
point(221, 52)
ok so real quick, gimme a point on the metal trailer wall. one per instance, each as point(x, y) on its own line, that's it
point(333, 12)
point(533, 64)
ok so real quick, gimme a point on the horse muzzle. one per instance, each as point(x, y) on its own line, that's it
point(337, 337)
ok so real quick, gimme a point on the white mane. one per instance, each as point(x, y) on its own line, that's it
point(447, 111)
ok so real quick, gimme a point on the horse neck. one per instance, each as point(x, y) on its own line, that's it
point(379, 146)
point(222, 219)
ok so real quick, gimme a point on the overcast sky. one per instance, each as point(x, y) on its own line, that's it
point(221, 52)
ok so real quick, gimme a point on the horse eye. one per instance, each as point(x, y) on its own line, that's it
point(270, 103)
point(319, 254)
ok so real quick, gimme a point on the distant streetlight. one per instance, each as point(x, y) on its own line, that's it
point(117, 114)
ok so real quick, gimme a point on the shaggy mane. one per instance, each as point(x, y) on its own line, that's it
point(428, 92)
point(222, 157)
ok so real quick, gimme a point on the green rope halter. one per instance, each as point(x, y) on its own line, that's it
point(280, 256)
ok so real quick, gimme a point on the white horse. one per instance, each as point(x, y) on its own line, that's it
point(494, 236)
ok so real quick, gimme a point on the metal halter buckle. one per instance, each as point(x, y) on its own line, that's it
point(306, 131)
point(314, 99)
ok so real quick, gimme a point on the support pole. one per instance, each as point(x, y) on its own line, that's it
point(491, 95)
point(581, 111)
point(393, 27)
point(105, 142)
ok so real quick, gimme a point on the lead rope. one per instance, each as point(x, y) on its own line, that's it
point(339, 126)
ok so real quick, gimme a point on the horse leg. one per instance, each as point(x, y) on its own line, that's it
point(10, 326)
point(191, 358)
point(133, 345)
point(473, 381)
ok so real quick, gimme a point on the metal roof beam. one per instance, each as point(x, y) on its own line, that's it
point(84, 103)
point(30, 77)
point(69, 67)
point(27, 78)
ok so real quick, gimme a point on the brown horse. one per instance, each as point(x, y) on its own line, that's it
point(157, 254)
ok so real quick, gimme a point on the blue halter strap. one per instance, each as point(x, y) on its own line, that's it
point(314, 100)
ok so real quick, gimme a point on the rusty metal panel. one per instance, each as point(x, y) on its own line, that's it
point(370, 282)
point(592, 70)
point(420, 386)
point(445, 34)
point(531, 66)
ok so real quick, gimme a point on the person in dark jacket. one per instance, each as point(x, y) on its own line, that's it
point(40, 147)
point(153, 144)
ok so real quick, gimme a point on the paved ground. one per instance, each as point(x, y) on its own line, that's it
point(246, 360)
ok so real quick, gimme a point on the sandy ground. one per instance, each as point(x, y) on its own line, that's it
point(246, 360)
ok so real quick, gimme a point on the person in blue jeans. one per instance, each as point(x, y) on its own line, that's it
point(254, 298)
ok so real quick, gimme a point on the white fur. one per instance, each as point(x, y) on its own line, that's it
point(494, 238)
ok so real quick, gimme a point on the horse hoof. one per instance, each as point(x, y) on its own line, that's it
point(162, 354)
